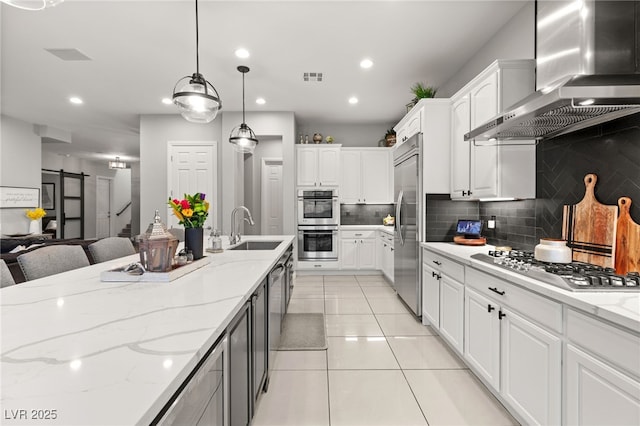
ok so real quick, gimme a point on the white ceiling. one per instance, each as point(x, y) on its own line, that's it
point(139, 49)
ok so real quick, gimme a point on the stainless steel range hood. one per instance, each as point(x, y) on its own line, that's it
point(588, 71)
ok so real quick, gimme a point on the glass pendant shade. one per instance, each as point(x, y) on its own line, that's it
point(32, 4)
point(243, 139)
point(197, 99)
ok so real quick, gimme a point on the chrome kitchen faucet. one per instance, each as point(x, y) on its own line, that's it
point(234, 238)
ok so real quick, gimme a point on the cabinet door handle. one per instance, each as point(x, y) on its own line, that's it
point(436, 262)
point(469, 192)
point(501, 315)
point(436, 275)
point(464, 193)
point(391, 248)
point(490, 308)
point(361, 242)
point(495, 290)
point(364, 200)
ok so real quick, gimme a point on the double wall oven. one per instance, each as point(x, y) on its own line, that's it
point(318, 220)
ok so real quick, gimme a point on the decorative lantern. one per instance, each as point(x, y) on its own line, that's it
point(157, 247)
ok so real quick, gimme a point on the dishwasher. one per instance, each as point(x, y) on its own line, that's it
point(202, 398)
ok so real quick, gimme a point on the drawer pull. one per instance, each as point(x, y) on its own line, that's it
point(490, 308)
point(495, 290)
point(436, 262)
point(358, 235)
point(501, 315)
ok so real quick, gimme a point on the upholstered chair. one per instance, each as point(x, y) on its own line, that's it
point(52, 260)
point(6, 279)
point(111, 248)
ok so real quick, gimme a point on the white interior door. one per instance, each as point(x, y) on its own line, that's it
point(193, 168)
point(271, 191)
point(103, 207)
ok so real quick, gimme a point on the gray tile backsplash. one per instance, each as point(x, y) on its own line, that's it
point(443, 215)
point(364, 214)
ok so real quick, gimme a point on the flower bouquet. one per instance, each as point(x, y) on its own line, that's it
point(192, 212)
point(35, 215)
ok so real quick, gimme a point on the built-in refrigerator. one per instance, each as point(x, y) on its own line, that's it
point(407, 162)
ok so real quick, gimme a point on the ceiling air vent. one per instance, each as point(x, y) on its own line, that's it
point(312, 76)
point(69, 54)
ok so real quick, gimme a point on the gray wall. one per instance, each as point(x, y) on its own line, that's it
point(155, 132)
point(347, 134)
point(516, 40)
point(20, 164)
point(268, 147)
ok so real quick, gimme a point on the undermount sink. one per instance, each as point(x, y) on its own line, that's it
point(256, 245)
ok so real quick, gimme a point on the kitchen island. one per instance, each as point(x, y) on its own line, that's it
point(78, 351)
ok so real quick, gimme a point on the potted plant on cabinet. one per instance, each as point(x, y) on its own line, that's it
point(420, 91)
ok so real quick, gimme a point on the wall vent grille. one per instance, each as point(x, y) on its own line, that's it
point(312, 76)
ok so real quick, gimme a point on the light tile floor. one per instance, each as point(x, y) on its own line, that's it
point(382, 367)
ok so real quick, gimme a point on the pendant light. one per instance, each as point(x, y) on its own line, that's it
point(117, 164)
point(242, 137)
point(197, 99)
point(32, 4)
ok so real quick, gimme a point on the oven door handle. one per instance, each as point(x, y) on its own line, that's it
point(318, 233)
point(398, 220)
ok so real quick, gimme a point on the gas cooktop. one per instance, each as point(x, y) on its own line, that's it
point(575, 276)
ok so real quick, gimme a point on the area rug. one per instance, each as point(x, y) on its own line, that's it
point(303, 332)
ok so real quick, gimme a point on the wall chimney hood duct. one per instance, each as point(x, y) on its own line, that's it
point(587, 71)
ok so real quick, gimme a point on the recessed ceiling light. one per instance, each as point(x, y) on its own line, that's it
point(242, 53)
point(353, 100)
point(167, 101)
point(261, 101)
point(75, 100)
point(366, 63)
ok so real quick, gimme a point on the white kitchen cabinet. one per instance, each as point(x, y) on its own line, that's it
point(597, 393)
point(482, 337)
point(432, 118)
point(358, 250)
point(530, 369)
point(366, 176)
point(318, 165)
point(487, 170)
point(514, 354)
point(384, 252)
point(602, 372)
point(452, 312)
point(430, 297)
point(443, 297)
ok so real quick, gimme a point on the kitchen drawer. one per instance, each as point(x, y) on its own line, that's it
point(544, 311)
point(388, 238)
point(318, 265)
point(444, 265)
point(615, 345)
point(358, 234)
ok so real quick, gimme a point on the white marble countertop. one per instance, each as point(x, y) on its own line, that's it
point(622, 308)
point(114, 353)
point(384, 228)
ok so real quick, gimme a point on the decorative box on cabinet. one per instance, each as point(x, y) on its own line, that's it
point(488, 169)
point(318, 165)
point(366, 176)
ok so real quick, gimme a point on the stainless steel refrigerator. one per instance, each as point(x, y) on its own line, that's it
point(407, 162)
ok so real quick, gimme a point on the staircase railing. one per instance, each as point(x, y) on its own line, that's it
point(123, 209)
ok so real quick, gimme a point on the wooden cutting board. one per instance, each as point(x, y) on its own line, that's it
point(590, 228)
point(627, 240)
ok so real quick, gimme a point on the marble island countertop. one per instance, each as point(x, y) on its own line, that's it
point(114, 353)
point(622, 308)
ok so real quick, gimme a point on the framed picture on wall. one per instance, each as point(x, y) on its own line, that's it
point(49, 196)
point(12, 197)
